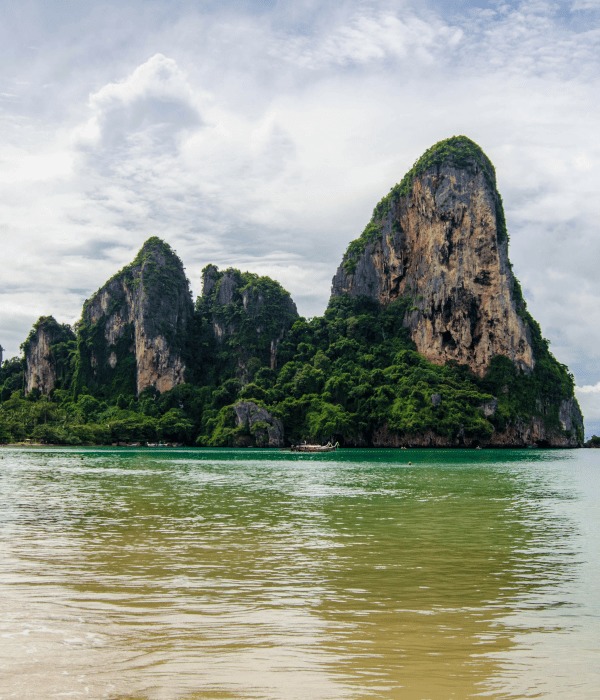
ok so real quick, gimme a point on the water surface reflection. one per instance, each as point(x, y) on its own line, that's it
point(255, 574)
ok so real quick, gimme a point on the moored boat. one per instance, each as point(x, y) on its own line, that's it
point(305, 447)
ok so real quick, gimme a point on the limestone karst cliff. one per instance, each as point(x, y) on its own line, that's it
point(47, 356)
point(426, 341)
point(134, 329)
point(440, 239)
point(249, 315)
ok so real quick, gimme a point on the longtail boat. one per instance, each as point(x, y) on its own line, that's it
point(304, 447)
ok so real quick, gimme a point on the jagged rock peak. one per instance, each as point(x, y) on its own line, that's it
point(210, 277)
point(155, 248)
point(47, 355)
point(132, 332)
point(439, 239)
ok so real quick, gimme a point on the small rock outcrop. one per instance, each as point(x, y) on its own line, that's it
point(47, 355)
point(132, 334)
point(258, 423)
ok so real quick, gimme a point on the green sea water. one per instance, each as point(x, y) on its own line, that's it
point(181, 574)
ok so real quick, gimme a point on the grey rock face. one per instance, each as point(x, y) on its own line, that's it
point(42, 357)
point(489, 408)
point(210, 277)
point(267, 430)
point(442, 247)
point(246, 306)
point(569, 415)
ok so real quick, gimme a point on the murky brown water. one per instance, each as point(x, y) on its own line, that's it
point(258, 574)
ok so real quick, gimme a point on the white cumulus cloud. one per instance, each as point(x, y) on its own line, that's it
point(149, 108)
point(589, 400)
point(586, 5)
point(589, 389)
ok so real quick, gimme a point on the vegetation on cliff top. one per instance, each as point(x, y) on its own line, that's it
point(458, 151)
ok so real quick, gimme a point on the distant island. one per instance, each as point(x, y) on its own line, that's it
point(426, 341)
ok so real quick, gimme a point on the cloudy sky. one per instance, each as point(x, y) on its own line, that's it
point(260, 134)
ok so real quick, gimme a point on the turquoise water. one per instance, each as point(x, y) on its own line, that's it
point(167, 574)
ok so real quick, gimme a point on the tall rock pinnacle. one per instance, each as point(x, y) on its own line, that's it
point(132, 332)
point(47, 362)
point(439, 238)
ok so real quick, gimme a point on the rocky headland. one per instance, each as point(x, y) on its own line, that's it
point(426, 341)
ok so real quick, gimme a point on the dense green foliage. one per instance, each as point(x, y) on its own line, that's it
point(345, 376)
point(458, 151)
point(355, 370)
point(12, 377)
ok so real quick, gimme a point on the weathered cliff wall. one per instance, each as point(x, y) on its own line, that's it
point(47, 361)
point(439, 242)
point(248, 314)
point(133, 330)
point(443, 245)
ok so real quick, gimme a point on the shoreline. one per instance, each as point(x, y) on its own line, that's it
point(172, 446)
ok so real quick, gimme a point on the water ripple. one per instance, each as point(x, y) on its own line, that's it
point(260, 574)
